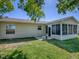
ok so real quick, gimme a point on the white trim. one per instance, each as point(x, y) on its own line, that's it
point(77, 29)
point(67, 29)
point(51, 30)
point(61, 31)
point(72, 29)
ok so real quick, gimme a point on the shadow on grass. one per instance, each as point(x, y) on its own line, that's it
point(14, 55)
point(16, 40)
point(71, 45)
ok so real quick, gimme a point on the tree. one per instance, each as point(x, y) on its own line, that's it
point(5, 6)
point(65, 6)
point(33, 8)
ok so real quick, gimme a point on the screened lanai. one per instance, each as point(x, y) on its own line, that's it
point(63, 29)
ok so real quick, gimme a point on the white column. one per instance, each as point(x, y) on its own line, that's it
point(72, 30)
point(61, 31)
point(51, 30)
point(67, 29)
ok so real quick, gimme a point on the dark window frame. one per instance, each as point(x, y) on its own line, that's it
point(53, 29)
point(75, 29)
point(64, 29)
point(39, 27)
point(10, 29)
point(46, 29)
point(56, 29)
point(70, 26)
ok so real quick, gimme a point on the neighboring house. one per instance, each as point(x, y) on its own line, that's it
point(61, 29)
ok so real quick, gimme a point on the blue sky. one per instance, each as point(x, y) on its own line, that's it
point(49, 10)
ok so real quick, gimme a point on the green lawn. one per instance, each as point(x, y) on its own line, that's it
point(48, 49)
point(71, 45)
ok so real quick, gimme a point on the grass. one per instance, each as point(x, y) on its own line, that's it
point(48, 49)
point(71, 45)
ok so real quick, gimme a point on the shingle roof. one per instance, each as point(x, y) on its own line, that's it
point(63, 19)
point(40, 22)
point(19, 20)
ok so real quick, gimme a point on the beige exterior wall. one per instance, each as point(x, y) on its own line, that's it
point(69, 21)
point(23, 30)
point(2, 30)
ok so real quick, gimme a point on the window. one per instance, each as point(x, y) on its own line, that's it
point(53, 29)
point(56, 29)
point(64, 29)
point(70, 29)
point(39, 28)
point(75, 29)
point(10, 28)
point(46, 29)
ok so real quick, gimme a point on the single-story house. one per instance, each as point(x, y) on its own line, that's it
point(62, 29)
